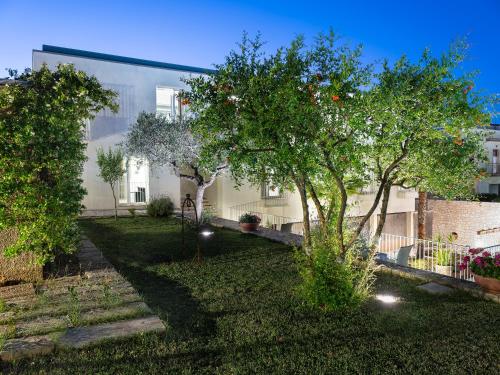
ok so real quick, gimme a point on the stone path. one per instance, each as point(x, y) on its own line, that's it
point(73, 311)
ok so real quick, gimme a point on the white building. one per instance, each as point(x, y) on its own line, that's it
point(491, 184)
point(151, 86)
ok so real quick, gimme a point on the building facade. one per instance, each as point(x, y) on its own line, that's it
point(151, 86)
point(491, 184)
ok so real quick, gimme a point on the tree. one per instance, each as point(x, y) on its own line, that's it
point(164, 141)
point(430, 117)
point(320, 120)
point(42, 151)
point(111, 169)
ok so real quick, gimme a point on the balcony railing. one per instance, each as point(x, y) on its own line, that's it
point(492, 169)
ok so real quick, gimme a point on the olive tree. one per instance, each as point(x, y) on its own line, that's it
point(164, 141)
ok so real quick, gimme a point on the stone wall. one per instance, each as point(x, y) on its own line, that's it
point(476, 223)
point(21, 268)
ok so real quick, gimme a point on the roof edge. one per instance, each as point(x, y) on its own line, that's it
point(123, 59)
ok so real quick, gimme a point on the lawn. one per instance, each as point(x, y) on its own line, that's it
point(237, 311)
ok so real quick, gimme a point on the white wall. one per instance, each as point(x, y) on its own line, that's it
point(137, 88)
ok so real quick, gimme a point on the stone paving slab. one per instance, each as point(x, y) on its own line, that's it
point(84, 336)
point(39, 312)
point(435, 288)
point(26, 347)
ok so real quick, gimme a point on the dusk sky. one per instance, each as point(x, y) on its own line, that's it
point(201, 33)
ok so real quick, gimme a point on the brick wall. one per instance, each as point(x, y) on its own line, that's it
point(467, 219)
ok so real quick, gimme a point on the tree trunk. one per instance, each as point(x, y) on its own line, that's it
point(422, 203)
point(383, 214)
point(301, 186)
point(319, 207)
point(114, 200)
point(200, 192)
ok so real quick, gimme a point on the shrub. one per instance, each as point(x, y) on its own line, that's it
point(42, 120)
point(331, 283)
point(132, 212)
point(160, 207)
point(444, 257)
point(249, 218)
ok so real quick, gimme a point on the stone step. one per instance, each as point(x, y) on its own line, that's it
point(85, 336)
point(31, 346)
point(91, 302)
point(83, 291)
point(46, 324)
point(27, 347)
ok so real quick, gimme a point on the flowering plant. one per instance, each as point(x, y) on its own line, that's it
point(482, 263)
point(249, 219)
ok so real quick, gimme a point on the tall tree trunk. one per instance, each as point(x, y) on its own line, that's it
point(114, 201)
point(383, 214)
point(422, 203)
point(301, 186)
point(319, 206)
point(200, 192)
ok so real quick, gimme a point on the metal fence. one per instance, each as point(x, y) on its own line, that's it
point(436, 256)
point(280, 223)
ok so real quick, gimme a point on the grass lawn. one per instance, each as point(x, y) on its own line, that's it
point(237, 312)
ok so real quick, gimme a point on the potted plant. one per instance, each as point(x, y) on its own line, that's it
point(444, 262)
point(249, 222)
point(485, 267)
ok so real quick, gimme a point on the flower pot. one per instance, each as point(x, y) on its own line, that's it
point(488, 284)
point(249, 227)
point(443, 270)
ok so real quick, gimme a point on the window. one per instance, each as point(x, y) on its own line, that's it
point(269, 191)
point(168, 102)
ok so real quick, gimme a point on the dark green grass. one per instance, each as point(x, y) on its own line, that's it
point(237, 312)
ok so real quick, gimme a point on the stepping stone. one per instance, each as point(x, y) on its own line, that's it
point(14, 349)
point(435, 288)
point(84, 336)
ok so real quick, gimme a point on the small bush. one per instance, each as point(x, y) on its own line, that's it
point(160, 207)
point(249, 218)
point(131, 211)
point(331, 283)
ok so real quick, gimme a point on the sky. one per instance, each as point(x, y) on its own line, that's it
point(201, 33)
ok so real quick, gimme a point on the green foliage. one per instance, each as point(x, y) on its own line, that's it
point(444, 257)
point(132, 212)
point(249, 218)
point(42, 150)
point(74, 307)
point(111, 169)
point(110, 165)
point(330, 283)
point(3, 306)
point(160, 207)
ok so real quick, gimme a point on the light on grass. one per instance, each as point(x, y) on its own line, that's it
point(206, 233)
point(386, 298)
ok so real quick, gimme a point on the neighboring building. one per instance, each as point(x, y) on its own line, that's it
point(151, 86)
point(491, 184)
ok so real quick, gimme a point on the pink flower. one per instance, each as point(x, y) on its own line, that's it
point(462, 266)
point(475, 251)
point(466, 259)
point(486, 254)
point(497, 263)
point(478, 260)
point(497, 256)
